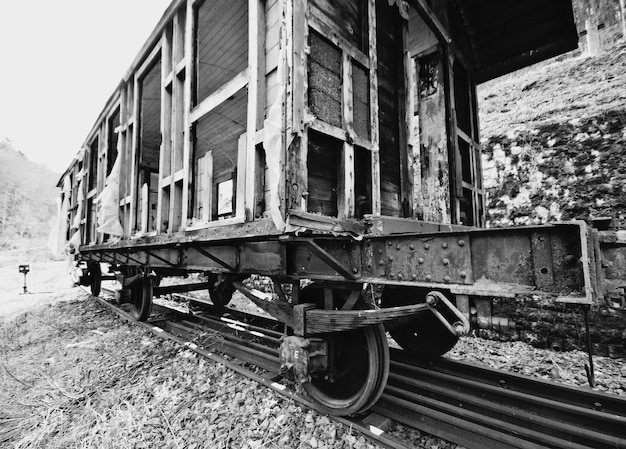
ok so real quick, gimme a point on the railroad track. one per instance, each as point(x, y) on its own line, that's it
point(471, 405)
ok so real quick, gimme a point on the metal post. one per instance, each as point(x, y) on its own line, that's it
point(589, 367)
point(24, 269)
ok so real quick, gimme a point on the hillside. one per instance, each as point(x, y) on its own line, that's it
point(27, 198)
point(554, 140)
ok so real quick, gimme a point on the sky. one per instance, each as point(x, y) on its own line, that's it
point(60, 60)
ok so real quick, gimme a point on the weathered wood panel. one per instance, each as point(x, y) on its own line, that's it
point(322, 164)
point(361, 101)
point(389, 40)
point(421, 38)
point(431, 113)
point(325, 80)
point(347, 17)
point(272, 44)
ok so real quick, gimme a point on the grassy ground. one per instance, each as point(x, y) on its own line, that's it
point(72, 375)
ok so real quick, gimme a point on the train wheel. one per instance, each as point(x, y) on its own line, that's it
point(95, 277)
point(359, 362)
point(141, 295)
point(424, 335)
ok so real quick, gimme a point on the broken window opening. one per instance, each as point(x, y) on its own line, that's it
point(323, 166)
point(113, 124)
point(219, 148)
point(225, 194)
point(361, 101)
point(390, 70)
point(362, 182)
point(221, 44)
point(93, 163)
point(468, 148)
point(149, 147)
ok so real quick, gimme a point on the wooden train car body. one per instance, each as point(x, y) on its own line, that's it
point(329, 140)
point(253, 111)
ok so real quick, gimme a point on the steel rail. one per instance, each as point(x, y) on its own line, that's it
point(475, 406)
point(269, 380)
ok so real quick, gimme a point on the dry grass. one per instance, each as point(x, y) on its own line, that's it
point(73, 376)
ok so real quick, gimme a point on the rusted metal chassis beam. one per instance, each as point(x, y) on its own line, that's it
point(550, 259)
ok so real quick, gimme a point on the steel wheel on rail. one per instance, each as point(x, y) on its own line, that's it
point(94, 271)
point(141, 298)
point(424, 335)
point(360, 358)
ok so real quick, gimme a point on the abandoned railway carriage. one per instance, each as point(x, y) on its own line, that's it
point(335, 141)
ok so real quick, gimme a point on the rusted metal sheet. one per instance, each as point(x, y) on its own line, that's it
point(306, 262)
point(269, 255)
point(550, 259)
point(441, 259)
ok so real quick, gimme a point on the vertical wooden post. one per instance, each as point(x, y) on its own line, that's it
point(406, 167)
point(455, 171)
point(295, 84)
point(166, 128)
point(345, 189)
point(373, 57)
point(256, 76)
point(190, 32)
point(134, 171)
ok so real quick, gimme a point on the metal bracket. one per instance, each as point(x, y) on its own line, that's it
point(326, 257)
point(161, 259)
point(214, 258)
point(459, 328)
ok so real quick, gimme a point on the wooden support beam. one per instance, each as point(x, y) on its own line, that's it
point(165, 153)
point(371, 15)
point(187, 149)
point(345, 191)
point(134, 156)
point(455, 171)
point(243, 181)
point(299, 35)
point(406, 167)
point(256, 83)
